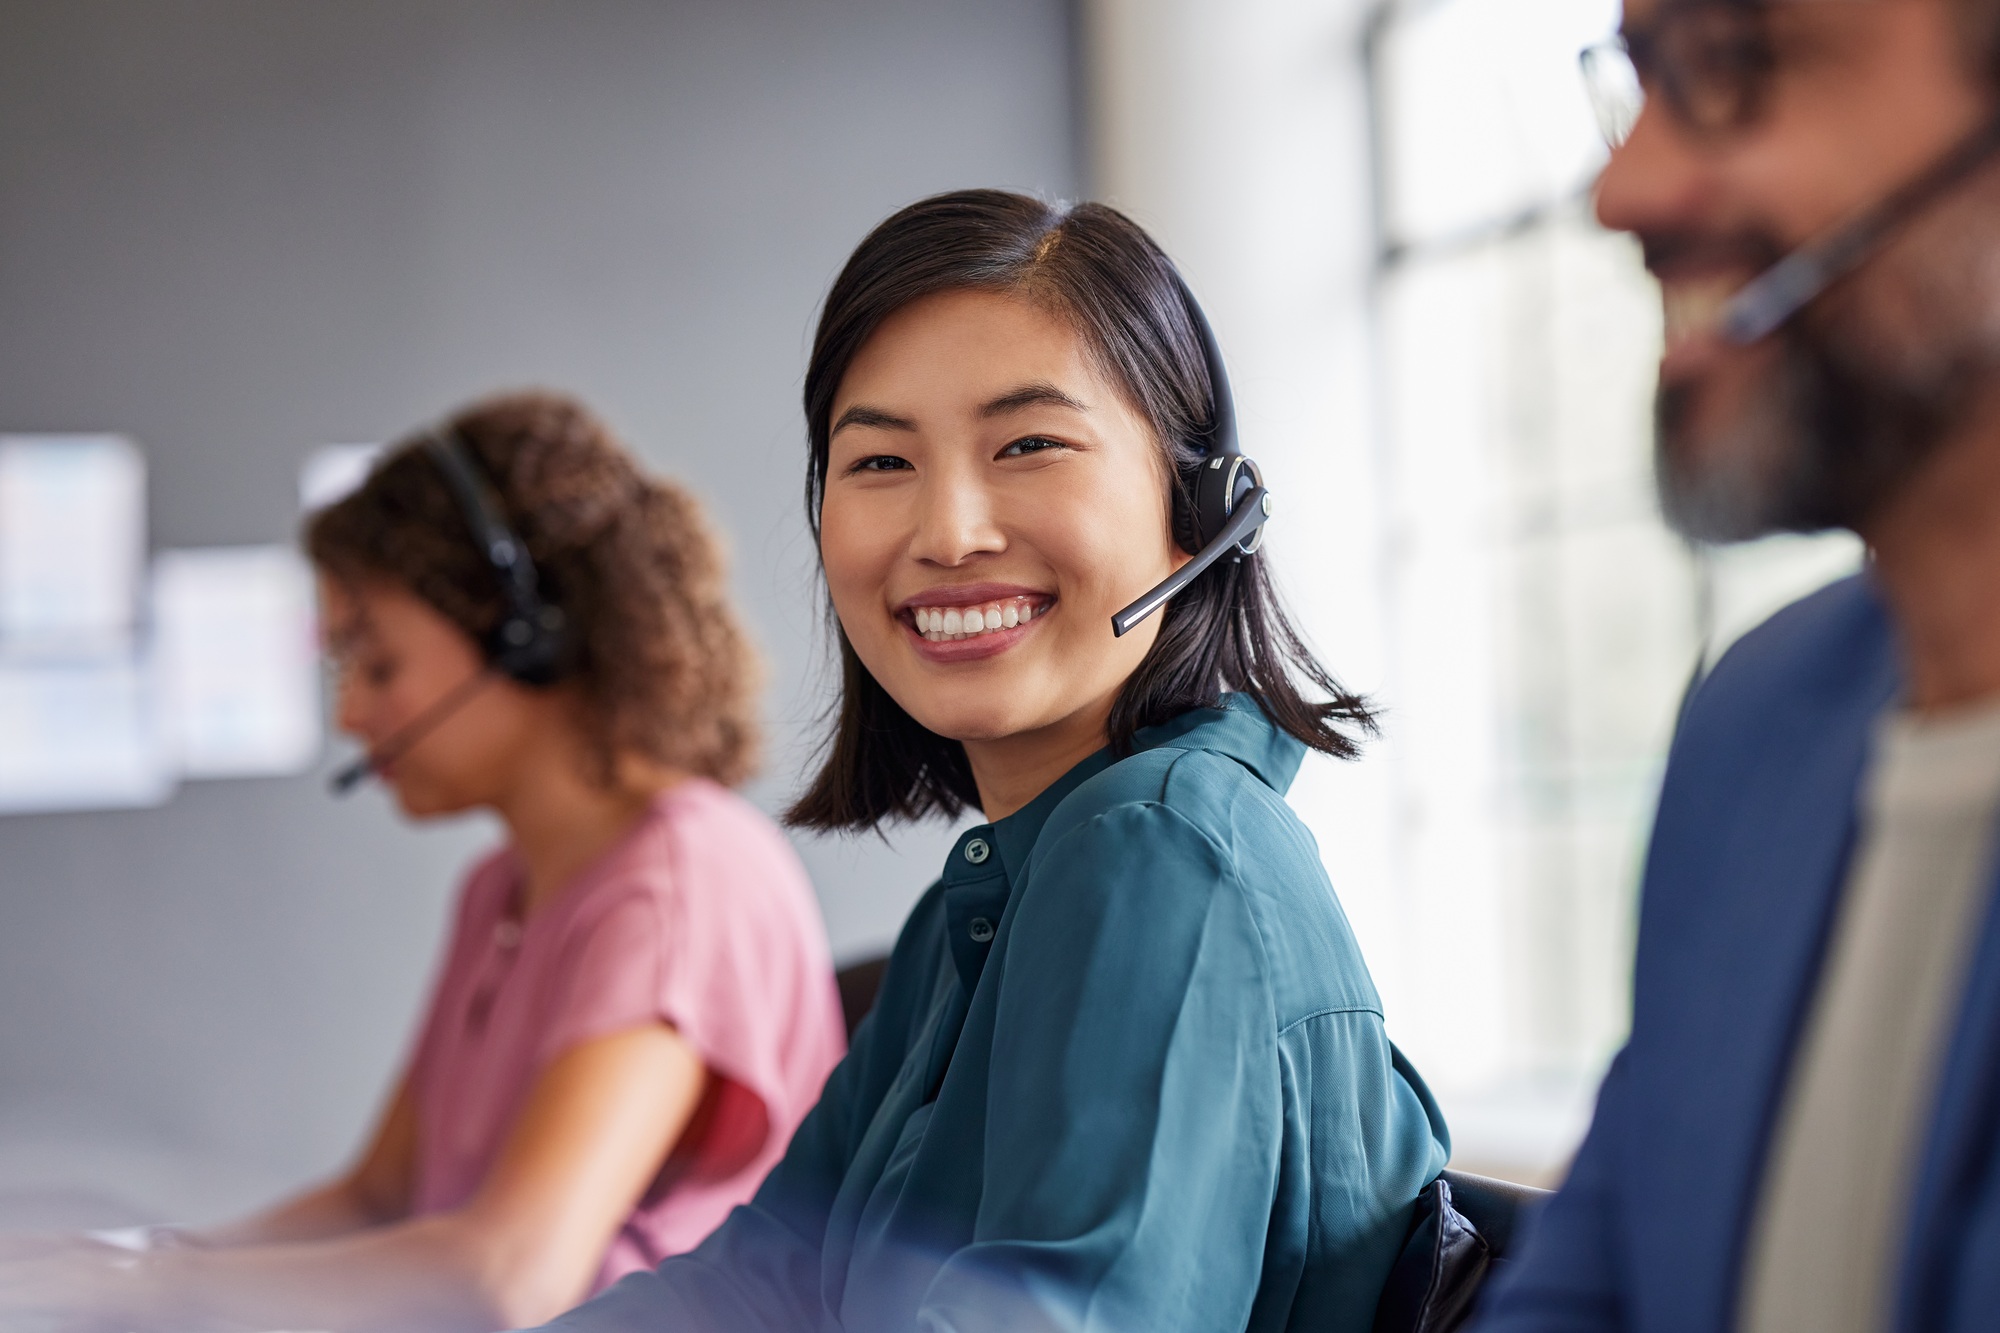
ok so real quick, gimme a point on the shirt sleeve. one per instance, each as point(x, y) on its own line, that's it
point(621, 971)
point(759, 1272)
point(611, 977)
point(734, 967)
point(1135, 1120)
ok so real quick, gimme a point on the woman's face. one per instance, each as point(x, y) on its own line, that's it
point(397, 656)
point(991, 500)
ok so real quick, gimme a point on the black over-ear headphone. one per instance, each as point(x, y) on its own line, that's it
point(528, 643)
point(1226, 512)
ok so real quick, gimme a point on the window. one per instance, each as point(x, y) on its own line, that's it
point(1543, 623)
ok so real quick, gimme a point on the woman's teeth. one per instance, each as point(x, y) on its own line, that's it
point(942, 624)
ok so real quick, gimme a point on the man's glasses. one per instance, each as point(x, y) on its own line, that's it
point(1708, 61)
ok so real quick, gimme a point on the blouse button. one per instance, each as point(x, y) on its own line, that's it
point(981, 930)
point(506, 933)
point(977, 851)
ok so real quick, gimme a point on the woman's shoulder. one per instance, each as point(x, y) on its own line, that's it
point(726, 813)
point(709, 860)
point(704, 832)
point(703, 917)
point(1191, 822)
point(1189, 788)
point(703, 810)
point(1186, 823)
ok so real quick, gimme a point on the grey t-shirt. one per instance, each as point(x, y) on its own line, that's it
point(1829, 1223)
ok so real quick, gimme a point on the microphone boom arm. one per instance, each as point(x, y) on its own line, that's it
point(1251, 513)
point(1771, 299)
point(400, 740)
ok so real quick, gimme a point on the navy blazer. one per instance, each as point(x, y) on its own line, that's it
point(1748, 859)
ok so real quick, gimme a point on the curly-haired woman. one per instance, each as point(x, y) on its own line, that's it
point(636, 1005)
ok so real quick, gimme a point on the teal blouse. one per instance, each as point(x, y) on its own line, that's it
point(1127, 1073)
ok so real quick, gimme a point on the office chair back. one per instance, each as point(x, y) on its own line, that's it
point(859, 983)
point(1461, 1236)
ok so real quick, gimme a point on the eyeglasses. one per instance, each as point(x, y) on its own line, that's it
point(1709, 61)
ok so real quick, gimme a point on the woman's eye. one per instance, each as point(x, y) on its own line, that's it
point(1034, 444)
point(880, 463)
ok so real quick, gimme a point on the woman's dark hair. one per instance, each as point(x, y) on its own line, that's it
point(1095, 268)
point(658, 663)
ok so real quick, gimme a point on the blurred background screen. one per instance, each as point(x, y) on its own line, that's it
point(239, 236)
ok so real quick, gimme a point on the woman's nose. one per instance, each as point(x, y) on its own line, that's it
point(956, 520)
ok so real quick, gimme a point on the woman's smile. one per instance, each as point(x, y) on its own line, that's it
point(992, 498)
point(973, 622)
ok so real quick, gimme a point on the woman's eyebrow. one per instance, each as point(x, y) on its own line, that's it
point(859, 415)
point(1038, 394)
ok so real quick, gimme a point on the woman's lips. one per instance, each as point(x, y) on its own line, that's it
point(941, 623)
point(969, 627)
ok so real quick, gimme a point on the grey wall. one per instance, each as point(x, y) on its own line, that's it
point(238, 230)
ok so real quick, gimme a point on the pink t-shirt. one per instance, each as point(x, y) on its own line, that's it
point(701, 918)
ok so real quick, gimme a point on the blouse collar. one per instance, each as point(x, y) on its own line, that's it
point(986, 859)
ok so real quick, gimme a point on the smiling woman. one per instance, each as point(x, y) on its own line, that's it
point(1075, 354)
point(981, 460)
point(1127, 1070)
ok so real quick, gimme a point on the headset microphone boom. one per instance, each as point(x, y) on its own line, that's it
point(1775, 297)
point(1226, 512)
point(530, 642)
point(378, 757)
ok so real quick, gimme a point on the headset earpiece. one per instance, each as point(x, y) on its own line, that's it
point(1221, 512)
point(1219, 487)
point(530, 643)
point(529, 650)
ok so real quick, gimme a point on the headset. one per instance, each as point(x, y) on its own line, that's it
point(1225, 515)
point(1775, 297)
point(529, 644)
point(1222, 514)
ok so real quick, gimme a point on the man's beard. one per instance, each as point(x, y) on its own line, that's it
point(1858, 397)
point(1821, 445)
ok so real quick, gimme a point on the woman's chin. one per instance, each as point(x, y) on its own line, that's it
point(422, 802)
point(975, 722)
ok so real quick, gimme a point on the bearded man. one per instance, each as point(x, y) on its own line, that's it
point(1803, 1132)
